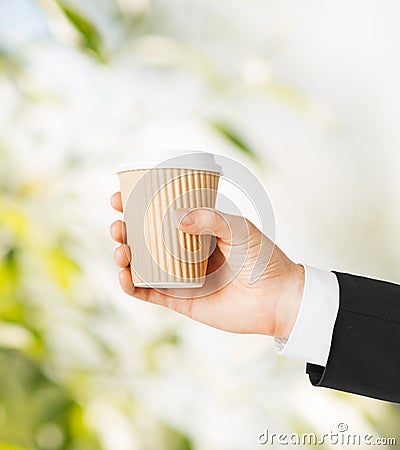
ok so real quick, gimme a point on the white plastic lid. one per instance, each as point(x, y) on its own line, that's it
point(173, 159)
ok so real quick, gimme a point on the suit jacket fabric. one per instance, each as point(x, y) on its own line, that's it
point(364, 357)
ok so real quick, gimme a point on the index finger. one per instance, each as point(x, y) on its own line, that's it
point(116, 201)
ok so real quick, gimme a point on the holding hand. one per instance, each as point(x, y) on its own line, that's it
point(268, 306)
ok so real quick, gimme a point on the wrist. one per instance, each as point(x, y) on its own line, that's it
point(289, 303)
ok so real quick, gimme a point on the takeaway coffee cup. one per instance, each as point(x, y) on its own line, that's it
point(161, 255)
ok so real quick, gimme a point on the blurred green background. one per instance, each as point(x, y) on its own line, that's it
point(304, 93)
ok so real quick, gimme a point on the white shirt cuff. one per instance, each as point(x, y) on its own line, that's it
point(311, 336)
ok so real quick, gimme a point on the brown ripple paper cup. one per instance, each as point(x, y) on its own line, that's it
point(161, 255)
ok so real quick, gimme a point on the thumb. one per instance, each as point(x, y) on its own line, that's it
point(231, 230)
point(251, 249)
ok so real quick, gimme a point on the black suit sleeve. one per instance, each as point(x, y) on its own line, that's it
point(364, 357)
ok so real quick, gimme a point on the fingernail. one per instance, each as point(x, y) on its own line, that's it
point(183, 216)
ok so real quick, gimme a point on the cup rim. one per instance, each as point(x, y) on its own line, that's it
point(185, 159)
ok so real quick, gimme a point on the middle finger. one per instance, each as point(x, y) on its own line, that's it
point(122, 255)
point(118, 231)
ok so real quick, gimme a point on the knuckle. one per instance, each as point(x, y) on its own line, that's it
point(214, 218)
point(205, 219)
point(208, 218)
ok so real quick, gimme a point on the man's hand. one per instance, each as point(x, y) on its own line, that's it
point(269, 306)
